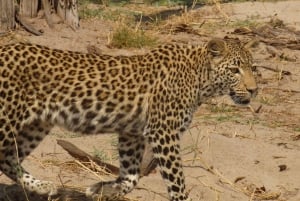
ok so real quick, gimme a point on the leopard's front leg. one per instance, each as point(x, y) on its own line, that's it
point(166, 150)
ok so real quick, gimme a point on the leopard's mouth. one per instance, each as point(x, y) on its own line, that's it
point(240, 99)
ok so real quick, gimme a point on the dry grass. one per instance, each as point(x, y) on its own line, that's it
point(126, 37)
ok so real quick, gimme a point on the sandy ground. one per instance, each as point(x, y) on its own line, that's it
point(229, 153)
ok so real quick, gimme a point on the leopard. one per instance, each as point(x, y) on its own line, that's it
point(146, 99)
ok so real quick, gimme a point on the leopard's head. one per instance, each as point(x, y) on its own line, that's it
point(232, 67)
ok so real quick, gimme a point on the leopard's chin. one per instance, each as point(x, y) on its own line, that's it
point(240, 100)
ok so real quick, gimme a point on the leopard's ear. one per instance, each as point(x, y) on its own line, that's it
point(216, 47)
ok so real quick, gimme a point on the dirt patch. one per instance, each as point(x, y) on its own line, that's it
point(230, 153)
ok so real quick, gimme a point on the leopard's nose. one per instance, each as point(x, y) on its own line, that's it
point(253, 91)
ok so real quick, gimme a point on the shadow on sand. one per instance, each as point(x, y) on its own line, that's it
point(15, 192)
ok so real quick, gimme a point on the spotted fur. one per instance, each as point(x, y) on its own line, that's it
point(146, 98)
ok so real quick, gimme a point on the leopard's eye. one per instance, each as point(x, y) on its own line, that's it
point(234, 70)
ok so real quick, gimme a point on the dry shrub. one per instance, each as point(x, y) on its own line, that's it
point(126, 37)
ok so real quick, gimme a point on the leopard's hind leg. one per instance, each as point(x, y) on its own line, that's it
point(15, 147)
point(131, 150)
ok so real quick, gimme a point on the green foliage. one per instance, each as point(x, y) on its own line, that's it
point(125, 37)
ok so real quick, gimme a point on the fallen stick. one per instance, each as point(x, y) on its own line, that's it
point(281, 43)
point(284, 90)
point(147, 166)
point(85, 157)
point(271, 36)
point(284, 72)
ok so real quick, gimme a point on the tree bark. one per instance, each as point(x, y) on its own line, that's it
point(29, 8)
point(67, 10)
point(7, 14)
point(47, 11)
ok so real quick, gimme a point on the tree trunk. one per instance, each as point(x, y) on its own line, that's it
point(29, 8)
point(67, 10)
point(7, 14)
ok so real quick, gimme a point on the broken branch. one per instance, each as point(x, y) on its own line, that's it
point(85, 157)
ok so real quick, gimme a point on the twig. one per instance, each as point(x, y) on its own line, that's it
point(284, 90)
point(284, 72)
point(88, 169)
point(206, 185)
point(258, 109)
